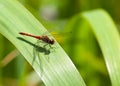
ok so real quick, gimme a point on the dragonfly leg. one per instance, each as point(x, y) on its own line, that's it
point(45, 45)
point(52, 48)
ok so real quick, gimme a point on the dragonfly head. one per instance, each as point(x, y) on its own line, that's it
point(52, 41)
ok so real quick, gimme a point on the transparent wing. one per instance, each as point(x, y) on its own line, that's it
point(61, 37)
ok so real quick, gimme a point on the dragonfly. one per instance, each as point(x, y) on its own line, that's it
point(45, 38)
point(37, 48)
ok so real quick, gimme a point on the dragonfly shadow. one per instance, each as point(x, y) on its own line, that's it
point(38, 48)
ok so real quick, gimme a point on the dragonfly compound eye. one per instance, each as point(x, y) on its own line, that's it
point(52, 41)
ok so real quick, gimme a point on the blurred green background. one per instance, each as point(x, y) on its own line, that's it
point(54, 14)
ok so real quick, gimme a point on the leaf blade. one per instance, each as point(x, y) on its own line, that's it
point(60, 70)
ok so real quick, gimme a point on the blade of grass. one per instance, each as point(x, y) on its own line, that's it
point(59, 70)
point(108, 38)
point(107, 35)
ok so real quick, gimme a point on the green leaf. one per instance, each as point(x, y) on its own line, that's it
point(105, 32)
point(108, 37)
point(59, 69)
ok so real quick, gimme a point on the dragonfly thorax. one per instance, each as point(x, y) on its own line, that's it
point(47, 40)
